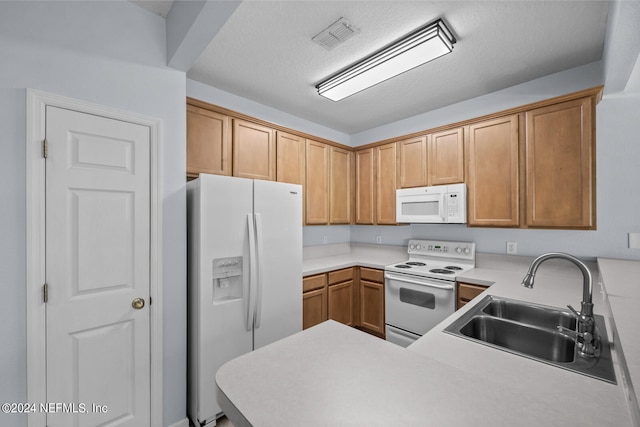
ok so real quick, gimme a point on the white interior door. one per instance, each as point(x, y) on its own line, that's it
point(97, 264)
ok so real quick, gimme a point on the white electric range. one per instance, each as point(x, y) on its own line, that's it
point(421, 291)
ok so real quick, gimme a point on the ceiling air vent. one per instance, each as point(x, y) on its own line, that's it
point(335, 34)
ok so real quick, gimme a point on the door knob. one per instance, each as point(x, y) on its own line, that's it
point(137, 303)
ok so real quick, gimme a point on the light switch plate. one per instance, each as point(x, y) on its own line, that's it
point(634, 240)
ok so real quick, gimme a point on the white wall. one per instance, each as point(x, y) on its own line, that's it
point(113, 54)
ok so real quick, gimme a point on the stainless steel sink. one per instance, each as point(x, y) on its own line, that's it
point(545, 344)
point(544, 317)
point(531, 330)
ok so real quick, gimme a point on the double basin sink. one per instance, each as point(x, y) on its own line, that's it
point(534, 331)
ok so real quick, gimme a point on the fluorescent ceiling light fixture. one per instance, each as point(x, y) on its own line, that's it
point(423, 45)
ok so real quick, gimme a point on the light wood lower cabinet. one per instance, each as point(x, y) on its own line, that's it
point(314, 300)
point(466, 292)
point(314, 307)
point(340, 296)
point(372, 301)
point(353, 296)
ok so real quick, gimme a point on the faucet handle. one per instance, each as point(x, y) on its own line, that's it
point(573, 310)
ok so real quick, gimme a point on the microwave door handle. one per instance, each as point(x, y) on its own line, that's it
point(442, 208)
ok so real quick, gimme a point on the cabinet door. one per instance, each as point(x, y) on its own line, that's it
point(289, 158)
point(413, 162)
point(314, 307)
point(317, 183)
point(493, 182)
point(340, 302)
point(254, 151)
point(365, 186)
point(446, 157)
point(208, 142)
point(372, 306)
point(386, 183)
point(340, 186)
point(560, 165)
point(467, 292)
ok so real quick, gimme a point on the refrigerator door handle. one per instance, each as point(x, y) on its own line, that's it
point(260, 281)
point(252, 272)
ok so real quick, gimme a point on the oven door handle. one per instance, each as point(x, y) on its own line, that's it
point(418, 281)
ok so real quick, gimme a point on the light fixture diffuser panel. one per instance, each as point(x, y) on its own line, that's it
point(420, 47)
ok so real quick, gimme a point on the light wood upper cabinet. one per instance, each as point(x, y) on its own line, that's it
point(365, 186)
point(377, 175)
point(254, 151)
point(208, 142)
point(290, 164)
point(340, 182)
point(446, 157)
point(560, 165)
point(317, 183)
point(493, 173)
point(387, 172)
point(413, 162)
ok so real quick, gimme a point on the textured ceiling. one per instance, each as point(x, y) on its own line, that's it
point(264, 52)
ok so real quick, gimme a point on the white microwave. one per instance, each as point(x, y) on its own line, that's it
point(440, 204)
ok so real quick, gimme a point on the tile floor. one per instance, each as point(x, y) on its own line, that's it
point(224, 422)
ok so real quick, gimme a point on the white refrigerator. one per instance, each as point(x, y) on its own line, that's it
point(244, 276)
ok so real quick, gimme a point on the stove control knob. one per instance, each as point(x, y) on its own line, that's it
point(458, 250)
point(467, 251)
point(412, 246)
point(418, 247)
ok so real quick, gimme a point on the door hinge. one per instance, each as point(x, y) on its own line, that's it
point(150, 301)
point(45, 148)
point(45, 293)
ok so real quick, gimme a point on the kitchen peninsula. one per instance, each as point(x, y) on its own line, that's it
point(332, 374)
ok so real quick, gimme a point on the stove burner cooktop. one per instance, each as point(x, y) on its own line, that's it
point(403, 266)
point(416, 263)
point(453, 267)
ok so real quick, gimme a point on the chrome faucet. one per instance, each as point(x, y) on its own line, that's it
point(587, 337)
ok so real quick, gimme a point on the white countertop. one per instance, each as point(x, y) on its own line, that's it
point(320, 259)
point(335, 375)
point(621, 280)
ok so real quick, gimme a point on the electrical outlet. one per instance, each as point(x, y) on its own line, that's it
point(512, 248)
point(325, 240)
point(378, 239)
